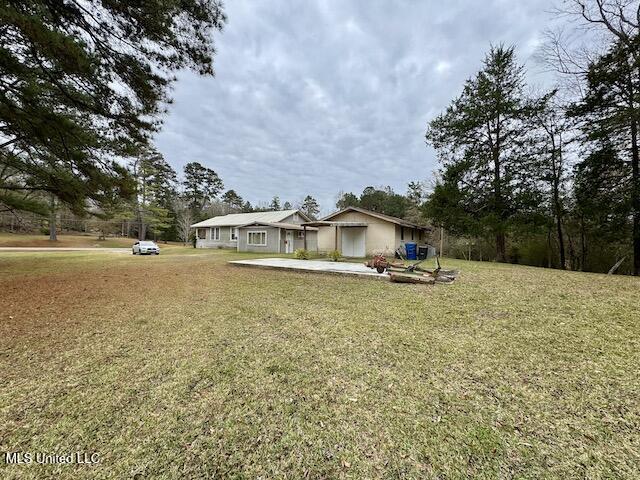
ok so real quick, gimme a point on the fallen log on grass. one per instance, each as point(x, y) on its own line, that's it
point(446, 273)
point(613, 269)
point(408, 278)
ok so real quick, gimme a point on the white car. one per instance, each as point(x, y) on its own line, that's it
point(145, 246)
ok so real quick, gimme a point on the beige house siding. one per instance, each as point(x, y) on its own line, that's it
point(326, 236)
point(380, 237)
point(417, 235)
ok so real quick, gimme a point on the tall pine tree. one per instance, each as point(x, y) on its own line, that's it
point(85, 82)
point(610, 111)
point(481, 142)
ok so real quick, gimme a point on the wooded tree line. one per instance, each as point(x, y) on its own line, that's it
point(164, 207)
point(385, 200)
point(520, 170)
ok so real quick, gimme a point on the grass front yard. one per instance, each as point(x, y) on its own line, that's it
point(64, 240)
point(181, 366)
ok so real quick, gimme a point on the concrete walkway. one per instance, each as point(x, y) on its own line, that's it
point(65, 249)
point(319, 266)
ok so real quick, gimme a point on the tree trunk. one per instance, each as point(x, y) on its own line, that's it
point(549, 248)
point(501, 247)
point(635, 196)
point(563, 260)
point(142, 230)
point(557, 172)
point(501, 243)
point(572, 253)
point(583, 245)
point(53, 234)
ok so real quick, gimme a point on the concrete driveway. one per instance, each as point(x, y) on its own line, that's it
point(318, 266)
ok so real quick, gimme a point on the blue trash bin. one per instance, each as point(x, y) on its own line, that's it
point(412, 250)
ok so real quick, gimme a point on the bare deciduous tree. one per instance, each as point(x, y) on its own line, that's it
point(184, 219)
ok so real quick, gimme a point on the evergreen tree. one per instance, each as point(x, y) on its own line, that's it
point(383, 201)
point(347, 200)
point(372, 199)
point(275, 203)
point(287, 206)
point(232, 199)
point(201, 186)
point(155, 192)
point(602, 204)
point(310, 207)
point(481, 142)
point(85, 82)
point(610, 111)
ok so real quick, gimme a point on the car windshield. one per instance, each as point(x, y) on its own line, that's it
point(148, 244)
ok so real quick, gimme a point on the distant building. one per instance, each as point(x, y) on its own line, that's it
point(269, 232)
point(357, 232)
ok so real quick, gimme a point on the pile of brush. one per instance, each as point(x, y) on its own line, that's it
point(414, 273)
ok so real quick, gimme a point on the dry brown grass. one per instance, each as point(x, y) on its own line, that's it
point(85, 241)
point(183, 366)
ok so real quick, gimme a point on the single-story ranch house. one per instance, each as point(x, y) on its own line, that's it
point(269, 232)
point(357, 232)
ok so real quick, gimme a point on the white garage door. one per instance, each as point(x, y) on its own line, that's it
point(353, 241)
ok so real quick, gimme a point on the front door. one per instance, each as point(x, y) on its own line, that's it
point(289, 244)
point(353, 241)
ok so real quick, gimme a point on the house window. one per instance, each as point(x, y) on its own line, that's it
point(300, 233)
point(234, 233)
point(215, 233)
point(296, 218)
point(202, 233)
point(258, 238)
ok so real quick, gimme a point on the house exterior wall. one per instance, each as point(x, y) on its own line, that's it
point(380, 236)
point(224, 242)
point(312, 241)
point(295, 218)
point(326, 238)
point(418, 236)
point(273, 240)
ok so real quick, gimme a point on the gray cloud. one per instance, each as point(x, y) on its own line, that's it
point(320, 96)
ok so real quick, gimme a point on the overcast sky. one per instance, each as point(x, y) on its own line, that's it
point(315, 97)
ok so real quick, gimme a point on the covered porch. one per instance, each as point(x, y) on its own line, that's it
point(276, 237)
point(349, 238)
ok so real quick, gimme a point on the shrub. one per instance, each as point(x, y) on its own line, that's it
point(301, 254)
point(334, 255)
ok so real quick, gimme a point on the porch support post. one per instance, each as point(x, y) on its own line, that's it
point(336, 239)
point(304, 232)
